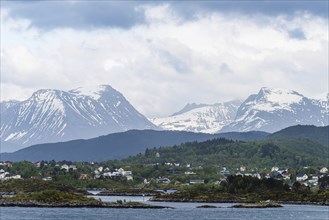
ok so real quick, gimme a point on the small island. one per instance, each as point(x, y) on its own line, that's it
point(207, 207)
point(262, 204)
point(57, 199)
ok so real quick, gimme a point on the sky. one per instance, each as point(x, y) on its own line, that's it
point(164, 54)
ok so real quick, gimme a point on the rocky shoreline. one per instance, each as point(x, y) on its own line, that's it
point(154, 199)
point(126, 194)
point(6, 203)
point(258, 205)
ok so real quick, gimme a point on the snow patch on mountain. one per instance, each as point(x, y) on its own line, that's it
point(94, 92)
point(273, 109)
point(200, 117)
point(274, 99)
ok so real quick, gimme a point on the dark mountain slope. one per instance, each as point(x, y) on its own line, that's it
point(117, 146)
point(319, 134)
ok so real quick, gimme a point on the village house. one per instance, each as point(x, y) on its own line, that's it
point(100, 169)
point(163, 180)
point(6, 164)
point(197, 181)
point(48, 178)
point(301, 177)
point(324, 170)
point(117, 173)
point(256, 175)
point(286, 175)
point(8, 176)
point(275, 169)
point(67, 168)
point(313, 181)
point(37, 164)
point(224, 171)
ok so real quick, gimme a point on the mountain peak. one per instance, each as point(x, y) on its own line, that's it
point(51, 115)
point(281, 91)
point(45, 94)
point(279, 96)
point(273, 109)
point(94, 92)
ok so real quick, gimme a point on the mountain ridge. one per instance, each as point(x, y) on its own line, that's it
point(117, 145)
point(200, 117)
point(52, 115)
point(271, 110)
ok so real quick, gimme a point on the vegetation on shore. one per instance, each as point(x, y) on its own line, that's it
point(269, 172)
point(282, 152)
point(240, 189)
point(53, 198)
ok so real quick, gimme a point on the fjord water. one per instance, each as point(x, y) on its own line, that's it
point(186, 211)
point(295, 212)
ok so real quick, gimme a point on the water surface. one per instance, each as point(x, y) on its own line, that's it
point(185, 211)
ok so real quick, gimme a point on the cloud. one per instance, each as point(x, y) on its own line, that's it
point(168, 60)
point(76, 14)
point(126, 14)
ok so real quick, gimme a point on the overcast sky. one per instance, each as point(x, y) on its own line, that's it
point(164, 54)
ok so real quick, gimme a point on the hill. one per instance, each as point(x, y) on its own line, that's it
point(319, 134)
point(284, 152)
point(117, 146)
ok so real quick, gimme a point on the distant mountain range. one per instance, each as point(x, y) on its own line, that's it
point(200, 117)
point(51, 115)
point(130, 143)
point(274, 109)
point(270, 110)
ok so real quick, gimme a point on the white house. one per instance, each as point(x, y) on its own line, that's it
point(73, 167)
point(301, 177)
point(324, 170)
point(3, 175)
point(65, 167)
point(196, 181)
point(275, 169)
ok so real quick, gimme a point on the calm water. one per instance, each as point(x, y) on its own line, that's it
point(185, 211)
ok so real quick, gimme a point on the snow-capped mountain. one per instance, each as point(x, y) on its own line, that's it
point(7, 104)
point(51, 115)
point(273, 109)
point(200, 117)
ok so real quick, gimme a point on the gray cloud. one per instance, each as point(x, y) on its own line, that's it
point(168, 61)
point(123, 14)
point(271, 8)
point(77, 14)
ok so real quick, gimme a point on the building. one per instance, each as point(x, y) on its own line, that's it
point(301, 177)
